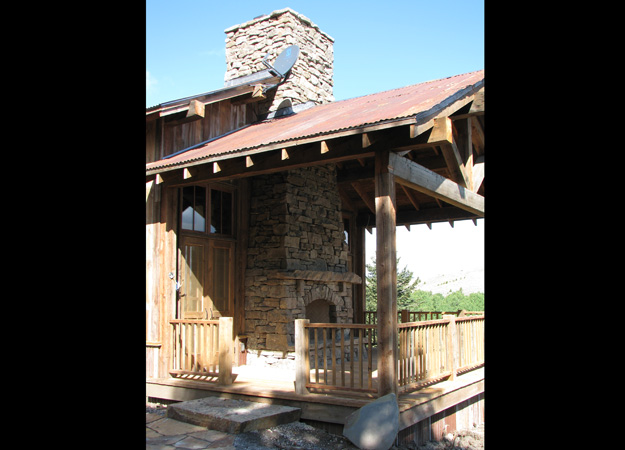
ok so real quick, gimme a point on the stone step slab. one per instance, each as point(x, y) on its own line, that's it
point(232, 416)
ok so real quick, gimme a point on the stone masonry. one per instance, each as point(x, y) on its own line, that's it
point(311, 76)
point(295, 224)
point(295, 216)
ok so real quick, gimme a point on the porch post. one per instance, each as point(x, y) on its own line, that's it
point(302, 361)
point(386, 266)
point(225, 350)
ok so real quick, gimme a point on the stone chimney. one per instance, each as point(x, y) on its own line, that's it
point(310, 79)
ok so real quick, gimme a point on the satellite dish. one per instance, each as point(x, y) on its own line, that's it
point(284, 61)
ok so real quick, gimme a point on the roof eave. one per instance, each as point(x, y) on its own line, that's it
point(182, 104)
point(421, 122)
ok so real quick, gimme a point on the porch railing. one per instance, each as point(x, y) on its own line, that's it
point(405, 316)
point(470, 342)
point(203, 348)
point(341, 356)
point(424, 353)
point(333, 356)
point(432, 350)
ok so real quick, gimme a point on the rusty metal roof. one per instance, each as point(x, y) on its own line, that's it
point(419, 100)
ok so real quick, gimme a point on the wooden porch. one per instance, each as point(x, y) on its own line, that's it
point(329, 410)
point(439, 365)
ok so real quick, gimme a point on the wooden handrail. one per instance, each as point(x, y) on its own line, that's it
point(371, 316)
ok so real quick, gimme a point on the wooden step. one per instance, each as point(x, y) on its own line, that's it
point(232, 416)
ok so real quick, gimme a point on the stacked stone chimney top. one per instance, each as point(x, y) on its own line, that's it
point(310, 79)
point(277, 13)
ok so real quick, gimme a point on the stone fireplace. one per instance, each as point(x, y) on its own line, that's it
point(297, 257)
point(297, 260)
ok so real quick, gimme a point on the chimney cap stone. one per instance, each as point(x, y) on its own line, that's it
point(276, 13)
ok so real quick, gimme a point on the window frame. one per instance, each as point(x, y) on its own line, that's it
point(210, 187)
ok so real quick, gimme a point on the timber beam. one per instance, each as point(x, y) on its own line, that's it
point(421, 179)
point(258, 163)
point(423, 216)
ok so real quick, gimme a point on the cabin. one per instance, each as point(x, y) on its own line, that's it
point(258, 198)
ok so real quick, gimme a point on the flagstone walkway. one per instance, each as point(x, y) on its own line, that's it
point(163, 433)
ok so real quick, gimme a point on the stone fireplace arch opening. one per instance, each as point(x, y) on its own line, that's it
point(321, 311)
point(321, 304)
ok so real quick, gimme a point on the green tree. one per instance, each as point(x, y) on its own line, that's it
point(405, 287)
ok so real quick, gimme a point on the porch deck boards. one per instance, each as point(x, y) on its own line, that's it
point(277, 386)
point(265, 384)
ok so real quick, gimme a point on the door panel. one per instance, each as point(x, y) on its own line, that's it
point(221, 257)
point(193, 278)
point(207, 278)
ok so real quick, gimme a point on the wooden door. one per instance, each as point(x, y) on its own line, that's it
point(206, 278)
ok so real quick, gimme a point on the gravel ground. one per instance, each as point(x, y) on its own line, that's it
point(299, 436)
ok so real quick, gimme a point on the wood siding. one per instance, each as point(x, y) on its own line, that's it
point(164, 136)
point(169, 134)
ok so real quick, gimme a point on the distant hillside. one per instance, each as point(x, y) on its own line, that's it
point(470, 281)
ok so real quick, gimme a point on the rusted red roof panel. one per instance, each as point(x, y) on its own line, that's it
point(331, 118)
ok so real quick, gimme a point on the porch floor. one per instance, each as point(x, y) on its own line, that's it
point(277, 386)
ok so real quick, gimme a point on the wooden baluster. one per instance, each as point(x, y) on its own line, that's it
point(360, 357)
point(316, 357)
point(370, 361)
point(209, 344)
point(402, 356)
point(333, 353)
point(183, 332)
point(194, 334)
point(325, 360)
point(200, 345)
point(435, 365)
point(351, 357)
point(215, 346)
point(411, 368)
point(175, 347)
point(342, 356)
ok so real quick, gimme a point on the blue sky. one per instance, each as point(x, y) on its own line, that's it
point(378, 45)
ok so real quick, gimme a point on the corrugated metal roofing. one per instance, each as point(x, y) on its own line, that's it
point(331, 118)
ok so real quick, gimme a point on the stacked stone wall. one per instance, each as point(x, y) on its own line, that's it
point(295, 224)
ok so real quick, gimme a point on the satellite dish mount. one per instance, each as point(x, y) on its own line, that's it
point(284, 62)
point(270, 77)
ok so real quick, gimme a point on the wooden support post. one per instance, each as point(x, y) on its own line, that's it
point(302, 364)
point(360, 270)
point(225, 350)
point(386, 264)
point(452, 345)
